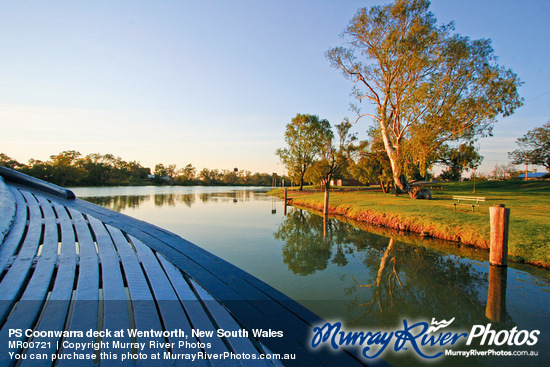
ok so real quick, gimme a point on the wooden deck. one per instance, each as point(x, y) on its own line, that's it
point(68, 265)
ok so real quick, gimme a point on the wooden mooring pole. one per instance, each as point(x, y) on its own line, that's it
point(285, 201)
point(498, 258)
point(496, 294)
point(500, 217)
point(325, 205)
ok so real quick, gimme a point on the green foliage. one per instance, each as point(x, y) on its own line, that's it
point(464, 157)
point(216, 177)
point(70, 168)
point(534, 147)
point(304, 136)
point(7, 161)
point(428, 86)
point(372, 164)
point(333, 157)
point(186, 175)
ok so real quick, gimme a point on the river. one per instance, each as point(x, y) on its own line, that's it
point(343, 271)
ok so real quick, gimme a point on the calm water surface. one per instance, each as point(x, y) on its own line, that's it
point(342, 272)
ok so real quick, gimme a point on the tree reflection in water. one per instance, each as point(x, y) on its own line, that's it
point(305, 249)
point(398, 280)
point(120, 203)
point(347, 273)
point(395, 281)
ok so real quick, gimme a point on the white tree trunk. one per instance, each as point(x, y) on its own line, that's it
point(393, 155)
point(325, 207)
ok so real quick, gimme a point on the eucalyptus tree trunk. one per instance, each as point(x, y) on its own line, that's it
point(392, 149)
point(302, 174)
point(327, 194)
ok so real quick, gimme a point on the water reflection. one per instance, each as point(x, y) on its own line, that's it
point(119, 203)
point(496, 296)
point(305, 249)
point(399, 281)
point(364, 276)
point(122, 202)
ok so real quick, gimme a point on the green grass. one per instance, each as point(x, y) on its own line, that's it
point(529, 234)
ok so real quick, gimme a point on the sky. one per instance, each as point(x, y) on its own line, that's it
point(214, 83)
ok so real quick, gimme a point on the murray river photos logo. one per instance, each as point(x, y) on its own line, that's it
point(428, 341)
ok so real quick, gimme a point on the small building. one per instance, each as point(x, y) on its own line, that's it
point(346, 182)
point(532, 175)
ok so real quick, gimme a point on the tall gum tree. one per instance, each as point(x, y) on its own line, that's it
point(334, 157)
point(304, 136)
point(428, 86)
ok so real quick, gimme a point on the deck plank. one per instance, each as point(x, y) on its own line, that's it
point(13, 282)
point(55, 312)
point(225, 321)
point(143, 305)
point(85, 307)
point(14, 237)
point(198, 317)
point(29, 308)
point(171, 311)
point(115, 306)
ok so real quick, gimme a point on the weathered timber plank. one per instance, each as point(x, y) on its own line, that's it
point(87, 288)
point(143, 305)
point(14, 237)
point(197, 315)
point(8, 208)
point(55, 311)
point(27, 312)
point(171, 310)
point(225, 321)
point(115, 306)
point(112, 282)
point(15, 279)
point(64, 281)
point(85, 302)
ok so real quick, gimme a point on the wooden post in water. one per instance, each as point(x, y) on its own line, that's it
point(325, 207)
point(500, 216)
point(496, 296)
point(498, 258)
point(285, 198)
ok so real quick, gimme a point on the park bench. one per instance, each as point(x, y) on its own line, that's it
point(468, 200)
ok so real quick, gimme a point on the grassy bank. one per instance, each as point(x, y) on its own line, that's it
point(529, 236)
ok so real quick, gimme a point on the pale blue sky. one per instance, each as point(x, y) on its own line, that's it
point(213, 83)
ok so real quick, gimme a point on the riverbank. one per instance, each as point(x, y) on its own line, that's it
point(529, 235)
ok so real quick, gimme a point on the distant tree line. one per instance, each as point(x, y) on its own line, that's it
point(71, 168)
